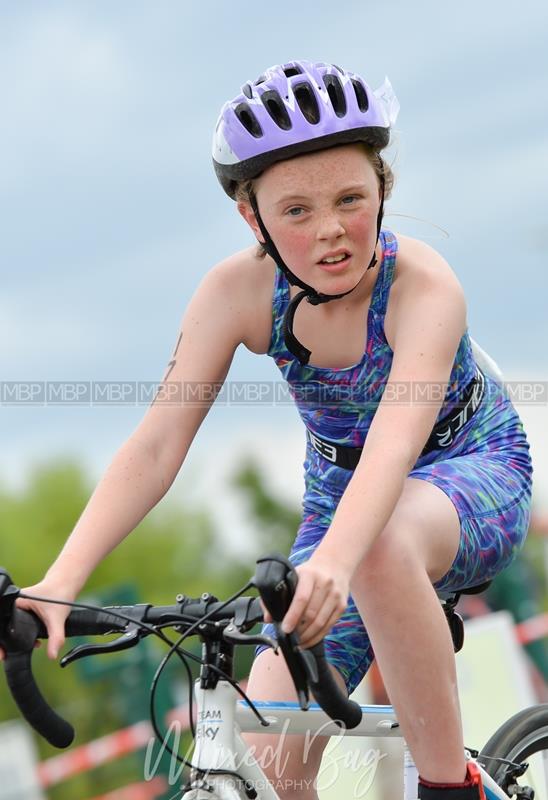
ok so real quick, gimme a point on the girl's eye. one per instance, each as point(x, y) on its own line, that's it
point(295, 211)
point(348, 199)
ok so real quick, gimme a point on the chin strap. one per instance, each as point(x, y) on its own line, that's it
point(312, 296)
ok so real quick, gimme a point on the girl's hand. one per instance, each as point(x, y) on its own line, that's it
point(52, 615)
point(320, 599)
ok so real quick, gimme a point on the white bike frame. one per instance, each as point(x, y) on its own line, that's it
point(222, 717)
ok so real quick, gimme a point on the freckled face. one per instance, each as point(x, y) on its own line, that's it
point(322, 205)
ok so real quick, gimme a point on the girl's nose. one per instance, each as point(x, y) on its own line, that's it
point(330, 226)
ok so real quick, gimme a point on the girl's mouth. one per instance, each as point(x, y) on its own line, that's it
point(336, 263)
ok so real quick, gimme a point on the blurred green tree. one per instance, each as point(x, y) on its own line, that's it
point(276, 521)
point(172, 550)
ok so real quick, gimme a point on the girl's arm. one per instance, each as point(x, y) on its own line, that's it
point(144, 467)
point(429, 320)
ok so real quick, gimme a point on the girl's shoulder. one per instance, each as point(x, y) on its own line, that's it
point(416, 260)
point(247, 283)
point(419, 268)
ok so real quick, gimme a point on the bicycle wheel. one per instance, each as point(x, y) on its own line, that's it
point(522, 739)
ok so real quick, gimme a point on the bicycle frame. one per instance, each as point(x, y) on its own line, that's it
point(222, 717)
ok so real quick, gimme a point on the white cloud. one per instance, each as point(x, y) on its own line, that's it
point(55, 55)
point(63, 83)
point(36, 342)
point(85, 97)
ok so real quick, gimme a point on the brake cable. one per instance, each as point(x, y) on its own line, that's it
point(219, 671)
point(174, 648)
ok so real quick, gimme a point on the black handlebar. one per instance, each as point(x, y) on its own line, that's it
point(276, 581)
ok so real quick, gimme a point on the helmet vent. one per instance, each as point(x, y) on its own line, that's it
point(336, 94)
point(247, 89)
point(260, 79)
point(289, 72)
point(306, 100)
point(361, 95)
point(248, 120)
point(276, 108)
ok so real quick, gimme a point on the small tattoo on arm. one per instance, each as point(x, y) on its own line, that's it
point(178, 343)
point(173, 360)
point(170, 366)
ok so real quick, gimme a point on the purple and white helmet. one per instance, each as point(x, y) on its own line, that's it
point(297, 108)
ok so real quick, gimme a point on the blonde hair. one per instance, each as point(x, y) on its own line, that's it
point(382, 170)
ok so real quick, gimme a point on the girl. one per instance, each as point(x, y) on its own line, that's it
point(417, 470)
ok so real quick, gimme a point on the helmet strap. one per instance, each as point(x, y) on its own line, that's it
point(315, 298)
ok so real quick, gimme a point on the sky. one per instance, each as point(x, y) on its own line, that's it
point(110, 213)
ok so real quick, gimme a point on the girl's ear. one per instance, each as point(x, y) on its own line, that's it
point(247, 213)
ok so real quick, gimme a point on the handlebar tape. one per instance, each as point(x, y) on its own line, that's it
point(24, 690)
point(87, 622)
point(25, 629)
point(329, 695)
point(31, 703)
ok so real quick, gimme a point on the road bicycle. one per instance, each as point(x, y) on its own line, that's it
point(512, 763)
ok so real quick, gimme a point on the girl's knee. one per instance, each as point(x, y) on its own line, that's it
point(395, 551)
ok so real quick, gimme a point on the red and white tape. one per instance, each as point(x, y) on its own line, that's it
point(93, 754)
point(146, 790)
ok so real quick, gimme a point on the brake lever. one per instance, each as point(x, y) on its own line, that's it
point(276, 580)
point(301, 664)
point(129, 639)
point(233, 635)
point(8, 595)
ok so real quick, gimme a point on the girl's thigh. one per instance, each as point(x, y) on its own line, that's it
point(493, 502)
